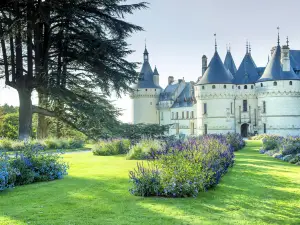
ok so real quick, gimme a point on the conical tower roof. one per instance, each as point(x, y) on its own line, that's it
point(216, 73)
point(247, 72)
point(229, 63)
point(155, 71)
point(274, 70)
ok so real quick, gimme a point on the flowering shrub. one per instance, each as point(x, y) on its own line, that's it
point(144, 149)
point(113, 147)
point(183, 168)
point(3, 174)
point(51, 143)
point(263, 136)
point(235, 140)
point(29, 166)
point(286, 149)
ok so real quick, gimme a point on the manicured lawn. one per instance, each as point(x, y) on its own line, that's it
point(257, 190)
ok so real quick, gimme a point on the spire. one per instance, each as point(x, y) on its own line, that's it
point(155, 71)
point(216, 46)
point(249, 48)
point(229, 47)
point(146, 54)
point(287, 41)
point(278, 39)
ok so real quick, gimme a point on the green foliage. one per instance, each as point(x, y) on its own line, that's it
point(9, 126)
point(136, 132)
point(112, 147)
point(143, 149)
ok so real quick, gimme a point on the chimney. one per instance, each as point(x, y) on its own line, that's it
point(170, 80)
point(204, 64)
point(285, 58)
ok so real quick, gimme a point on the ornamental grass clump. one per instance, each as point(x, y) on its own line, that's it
point(31, 165)
point(183, 168)
point(111, 147)
point(144, 149)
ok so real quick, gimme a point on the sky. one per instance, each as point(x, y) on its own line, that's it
point(179, 32)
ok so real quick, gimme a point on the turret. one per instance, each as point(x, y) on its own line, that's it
point(204, 64)
point(156, 77)
point(285, 57)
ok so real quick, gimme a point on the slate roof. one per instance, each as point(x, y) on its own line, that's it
point(295, 59)
point(186, 97)
point(216, 73)
point(155, 71)
point(247, 72)
point(146, 75)
point(167, 94)
point(229, 63)
point(274, 71)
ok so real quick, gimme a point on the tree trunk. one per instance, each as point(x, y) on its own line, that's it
point(25, 114)
point(43, 125)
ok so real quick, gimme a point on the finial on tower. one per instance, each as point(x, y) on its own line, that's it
point(229, 47)
point(216, 46)
point(278, 39)
point(287, 41)
point(247, 47)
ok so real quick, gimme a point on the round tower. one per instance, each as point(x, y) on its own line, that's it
point(215, 98)
point(278, 92)
point(145, 94)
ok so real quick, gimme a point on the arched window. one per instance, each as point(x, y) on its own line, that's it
point(245, 87)
point(224, 86)
point(261, 84)
point(239, 87)
point(203, 87)
point(291, 82)
point(214, 87)
point(274, 83)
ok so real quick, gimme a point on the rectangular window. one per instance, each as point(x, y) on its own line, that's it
point(182, 115)
point(177, 128)
point(231, 107)
point(250, 113)
point(240, 114)
point(265, 128)
point(161, 116)
point(176, 115)
point(192, 128)
point(245, 106)
point(187, 114)
point(205, 108)
point(205, 129)
point(264, 107)
point(192, 116)
point(254, 117)
point(172, 115)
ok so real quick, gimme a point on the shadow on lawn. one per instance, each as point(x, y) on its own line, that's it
point(246, 194)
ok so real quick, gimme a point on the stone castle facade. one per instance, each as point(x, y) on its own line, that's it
point(246, 100)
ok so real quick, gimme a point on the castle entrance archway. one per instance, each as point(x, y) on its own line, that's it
point(244, 129)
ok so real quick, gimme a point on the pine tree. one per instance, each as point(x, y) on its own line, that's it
point(73, 53)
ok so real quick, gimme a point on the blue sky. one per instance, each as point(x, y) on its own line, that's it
point(179, 32)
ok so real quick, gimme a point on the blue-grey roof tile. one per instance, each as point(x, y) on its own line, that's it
point(229, 63)
point(247, 72)
point(186, 97)
point(216, 73)
point(274, 71)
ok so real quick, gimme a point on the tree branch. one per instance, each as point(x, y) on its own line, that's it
point(45, 112)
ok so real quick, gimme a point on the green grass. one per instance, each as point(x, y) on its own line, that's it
point(257, 190)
